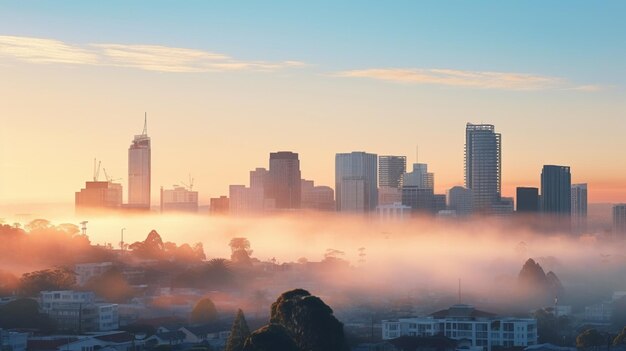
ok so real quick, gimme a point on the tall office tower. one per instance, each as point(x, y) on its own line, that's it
point(556, 188)
point(139, 170)
point(258, 178)
point(483, 165)
point(390, 171)
point(283, 182)
point(619, 220)
point(527, 199)
point(356, 181)
point(418, 189)
point(419, 177)
point(460, 200)
point(579, 207)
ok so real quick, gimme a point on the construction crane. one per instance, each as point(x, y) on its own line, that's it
point(109, 179)
point(96, 170)
point(189, 186)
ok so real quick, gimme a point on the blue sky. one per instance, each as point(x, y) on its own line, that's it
point(580, 40)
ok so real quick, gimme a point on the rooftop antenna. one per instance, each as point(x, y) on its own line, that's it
point(145, 124)
point(96, 170)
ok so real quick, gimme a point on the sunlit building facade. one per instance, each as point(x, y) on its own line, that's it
point(139, 168)
point(483, 165)
point(283, 180)
point(356, 181)
point(390, 171)
point(179, 199)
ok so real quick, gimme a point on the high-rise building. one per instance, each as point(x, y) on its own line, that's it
point(619, 220)
point(356, 181)
point(283, 182)
point(579, 207)
point(179, 199)
point(245, 200)
point(418, 189)
point(139, 170)
point(439, 203)
point(419, 177)
point(527, 199)
point(99, 195)
point(483, 165)
point(460, 200)
point(258, 178)
point(389, 196)
point(317, 197)
point(390, 171)
point(556, 188)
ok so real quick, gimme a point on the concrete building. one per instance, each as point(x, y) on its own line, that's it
point(259, 178)
point(556, 188)
point(619, 220)
point(99, 195)
point(314, 197)
point(139, 170)
point(390, 171)
point(579, 207)
point(283, 180)
point(179, 199)
point(388, 195)
point(463, 322)
point(483, 165)
point(393, 212)
point(418, 189)
point(461, 201)
point(219, 205)
point(86, 271)
point(527, 200)
point(244, 200)
point(78, 311)
point(419, 177)
point(356, 181)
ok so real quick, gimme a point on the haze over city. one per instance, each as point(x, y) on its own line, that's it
point(323, 176)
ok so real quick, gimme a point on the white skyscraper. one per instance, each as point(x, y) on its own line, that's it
point(139, 170)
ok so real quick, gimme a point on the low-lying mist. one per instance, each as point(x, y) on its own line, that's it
point(382, 261)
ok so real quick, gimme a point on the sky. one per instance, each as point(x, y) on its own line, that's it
point(224, 83)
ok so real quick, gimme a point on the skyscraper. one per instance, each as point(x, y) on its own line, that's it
point(556, 187)
point(418, 189)
point(283, 179)
point(356, 181)
point(483, 165)
point(527, 199)
point(139, 170)
point(619, 220)
point(460, 200)
point(579, 207)
point(390, 171)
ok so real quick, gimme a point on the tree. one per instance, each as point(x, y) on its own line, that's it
point(309, 321)
point(590, 338)
point(238, 333)
point(24, 313)
point(620, 339)
point(111, 285)
point(204, 312)
point(151, 248)
point(240, 251)
point(271, 337)
point(60, 278)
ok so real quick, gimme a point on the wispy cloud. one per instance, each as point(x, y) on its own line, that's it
point(145, 57)
point(470, 79)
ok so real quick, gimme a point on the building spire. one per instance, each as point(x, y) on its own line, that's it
point(145, 124)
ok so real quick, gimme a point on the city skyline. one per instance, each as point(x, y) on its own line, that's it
point(79, 89)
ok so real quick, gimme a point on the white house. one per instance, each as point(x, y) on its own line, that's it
point(463, 322)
